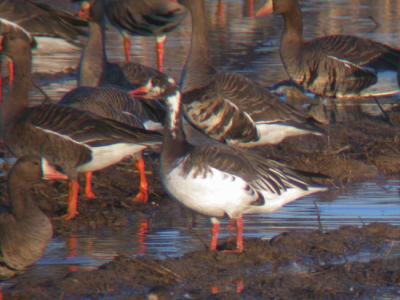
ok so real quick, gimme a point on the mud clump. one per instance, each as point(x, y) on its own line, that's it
point(293, 265)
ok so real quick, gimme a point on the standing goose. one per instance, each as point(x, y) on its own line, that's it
point(25, 230)
point(75, 140)
point(113, 103)
point(229, 107)
point(217, 180)
point(337, 65)
point(40, 19)
point(145, 18)
point(100, 84)
point(95, 69)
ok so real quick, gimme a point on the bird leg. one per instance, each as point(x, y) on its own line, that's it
point(11, 73)
point(127, 49)
point(160, 46)
point(251, 8)
point(72, 200)
point(214, 234)
point(88, 187)
point(239, 237)
point(143, 195)
point(142, 234)
point(1, 84)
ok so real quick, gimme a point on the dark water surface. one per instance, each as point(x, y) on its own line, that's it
point(246, 45)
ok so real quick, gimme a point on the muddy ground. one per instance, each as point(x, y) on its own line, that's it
point(294, 265)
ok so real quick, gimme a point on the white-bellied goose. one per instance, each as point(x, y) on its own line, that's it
point(217, 180)
point(336, 65)
point(229, 107)
point(75, 140)
point(100, 84)
point(113, 103)
point(40, 19)
point(25, 230)
point(145, 18)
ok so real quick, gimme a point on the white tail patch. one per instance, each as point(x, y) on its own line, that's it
point(271, 134)
point(105, 156)
point(273, 202)
point(386, 85)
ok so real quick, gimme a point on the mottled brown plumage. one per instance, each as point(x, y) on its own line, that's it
point(42, 20)
point(337, 65)
point(230, 107)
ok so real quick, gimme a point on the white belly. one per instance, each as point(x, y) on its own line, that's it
point(272, 134)
point(108, 155)
point(215, 194)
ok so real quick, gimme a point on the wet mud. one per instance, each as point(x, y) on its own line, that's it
point(293, 265)
point(300, 264)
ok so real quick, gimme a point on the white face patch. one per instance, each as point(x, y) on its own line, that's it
point(174, 103)
point(45, 165)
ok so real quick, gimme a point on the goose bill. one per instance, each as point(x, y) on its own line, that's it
point(266, 9)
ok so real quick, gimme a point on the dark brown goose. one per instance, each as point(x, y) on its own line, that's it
point(75, 140)
point(229, 107)
point(218, 180)
point(113, 103)
point(25, 230)
point(337, 65)
point(95, 69)
point(145, 18)
point(40, 19)
point(100, 90)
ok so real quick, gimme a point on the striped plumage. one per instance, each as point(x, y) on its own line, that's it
point(95, 70)
point(77, 141)
point(42, 20)
point(218, 180)
point(111, 103)
point(337, 65)
point(230, 107)
point(25, 231)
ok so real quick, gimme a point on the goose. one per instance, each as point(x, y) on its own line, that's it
point(95, 69)
point(229, 107)
point(103, 88)
point(115, 104)
point(218, 179)
point(40, 19)
point(75, 140)
point(25, 231)
point(145, 18)
point(339, 66)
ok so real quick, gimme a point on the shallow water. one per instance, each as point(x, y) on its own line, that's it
point(249, 46)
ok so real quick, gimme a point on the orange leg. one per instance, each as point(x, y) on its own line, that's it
point(72, 245)
point(221, 11)
point(11, 73)
point(214, 236)
point(142, 233)
point(1, 85)
point(240, 286)
point(160, 46)
point(143, 195)
point(88, 187)
point(73, 200)
point(127, 49)
point(239, 237)
point(251, 8)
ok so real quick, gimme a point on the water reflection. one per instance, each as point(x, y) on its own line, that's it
point(249, 46)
